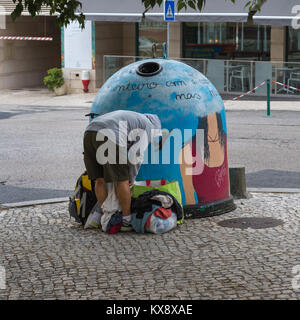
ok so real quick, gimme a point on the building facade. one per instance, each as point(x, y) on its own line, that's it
point(195, 40)
point(220, 32)
point(24, 63)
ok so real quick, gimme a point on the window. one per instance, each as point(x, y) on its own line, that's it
point(211, 40)
point(293, 45)
point(149, 33)
point(208, 40)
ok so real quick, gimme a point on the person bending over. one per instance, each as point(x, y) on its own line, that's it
point(108, 142)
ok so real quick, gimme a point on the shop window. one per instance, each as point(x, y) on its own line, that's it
point(226, 41)
point(293, 45)
point(149, 33)
point(253, 42)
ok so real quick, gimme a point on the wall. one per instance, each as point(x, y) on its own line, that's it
point(78, 56)
point(74, 82)
point(278, 43)
point(175, 35)
point(24, 63)
point(112, 38)
point(129, 39)
point(119, 39)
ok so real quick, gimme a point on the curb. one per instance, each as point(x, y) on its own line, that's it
point(32, 203)
point(274, 190)
point(65, 199)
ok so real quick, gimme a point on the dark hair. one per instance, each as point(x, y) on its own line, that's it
point(203, 124)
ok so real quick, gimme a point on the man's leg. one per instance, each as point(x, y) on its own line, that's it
point(100, 190)
point(119, 175)
point(94, 169)
point(124, 196)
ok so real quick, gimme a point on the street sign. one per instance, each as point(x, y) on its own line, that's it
point(169, 10)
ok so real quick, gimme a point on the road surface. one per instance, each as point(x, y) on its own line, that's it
point(41, 149)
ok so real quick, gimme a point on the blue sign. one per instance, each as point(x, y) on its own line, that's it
point(169, 10)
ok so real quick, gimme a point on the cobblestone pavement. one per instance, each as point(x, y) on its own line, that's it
point(47, 256)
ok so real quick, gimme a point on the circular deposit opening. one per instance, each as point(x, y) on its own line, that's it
point(149, 69)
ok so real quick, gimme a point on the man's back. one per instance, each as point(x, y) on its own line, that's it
point(115, 121)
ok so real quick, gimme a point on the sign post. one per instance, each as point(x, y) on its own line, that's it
point(268, 98)
point(169, 10)
point(169, 15)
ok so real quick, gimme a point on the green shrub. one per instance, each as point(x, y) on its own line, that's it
point(54, 79)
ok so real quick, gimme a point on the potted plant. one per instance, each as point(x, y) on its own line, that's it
point(55, 81)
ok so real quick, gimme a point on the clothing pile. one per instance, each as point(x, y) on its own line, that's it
point(155, 211)
point(109, 215)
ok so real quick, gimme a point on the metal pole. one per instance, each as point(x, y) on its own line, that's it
point(251, 82)
point(268, 98)
point(227, 76)
point(168, 39)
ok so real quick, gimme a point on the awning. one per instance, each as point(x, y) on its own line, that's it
point(276, 12)
point(132, 10)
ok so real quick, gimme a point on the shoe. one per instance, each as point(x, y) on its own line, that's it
point(126, 226)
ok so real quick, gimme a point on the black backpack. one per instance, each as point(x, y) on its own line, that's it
point(84, 199)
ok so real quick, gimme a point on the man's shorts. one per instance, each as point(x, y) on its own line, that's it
point(109, 172)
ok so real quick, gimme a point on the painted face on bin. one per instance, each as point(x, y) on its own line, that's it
point(208, 169)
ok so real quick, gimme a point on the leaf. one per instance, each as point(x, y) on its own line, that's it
point(192, 4)
point(181, 5)
point(247, 4)
point(152, 3)
point(17, 12)
point(201, 4)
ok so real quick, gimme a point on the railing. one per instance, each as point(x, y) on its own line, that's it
point(230, 76)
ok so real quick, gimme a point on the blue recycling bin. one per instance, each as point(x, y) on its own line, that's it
point(184, 100)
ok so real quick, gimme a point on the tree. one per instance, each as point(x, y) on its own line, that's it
point(66, 9)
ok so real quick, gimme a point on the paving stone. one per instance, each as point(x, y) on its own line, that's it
point(47, 256)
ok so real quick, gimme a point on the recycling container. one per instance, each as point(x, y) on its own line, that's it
point(193, 147)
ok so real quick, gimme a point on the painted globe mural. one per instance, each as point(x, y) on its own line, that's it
point(192, 115)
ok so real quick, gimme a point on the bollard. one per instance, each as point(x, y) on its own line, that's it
point(268, 98)
point(237, 179)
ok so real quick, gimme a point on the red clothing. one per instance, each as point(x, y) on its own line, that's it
point(162, 213)
point(213, 183)
point(114, 229)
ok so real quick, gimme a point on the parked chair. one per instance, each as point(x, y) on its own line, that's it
point(294, 78)
point(240, 74)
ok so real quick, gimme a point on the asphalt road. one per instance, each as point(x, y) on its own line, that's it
point(41, 149)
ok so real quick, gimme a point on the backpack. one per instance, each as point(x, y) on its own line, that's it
point(84, 199)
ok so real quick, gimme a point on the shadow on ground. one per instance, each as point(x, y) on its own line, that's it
point(12, 194)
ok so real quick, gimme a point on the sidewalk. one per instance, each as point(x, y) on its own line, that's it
point(47, 256)
point(262, 105)
point(43, 97)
